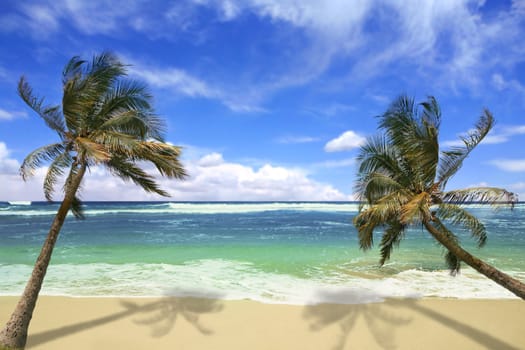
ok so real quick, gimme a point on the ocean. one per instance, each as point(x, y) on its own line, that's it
point(282, 252)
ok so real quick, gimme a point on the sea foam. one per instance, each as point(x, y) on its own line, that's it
point(235, 280)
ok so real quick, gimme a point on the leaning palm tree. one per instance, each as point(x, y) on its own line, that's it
point(402, 179)
point(104, 120)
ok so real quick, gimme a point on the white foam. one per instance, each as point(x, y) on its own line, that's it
point(19, 202)
point(201, 208)
point(239, 280)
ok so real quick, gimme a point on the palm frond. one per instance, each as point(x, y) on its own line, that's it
point(96, 152)
point(452, 261)
point(77, 208)
point(398, 120)
point(51, 114)
point(165, 157)
point(72, 69)
point(116, 141)
point(452, 160)
point(416, 209)
point(365, 229)
point(54, 172)
point(391, 238)
point(425, 144)
point(378, 214)
point(134, 96)
point(378, 156)
point(84, 86)
point(375, 186)
point(38, 157)
point(127, 122)
point(431, 112)
point(130, 172)
point(413, 135)
point(459, 216)
point(484, 195)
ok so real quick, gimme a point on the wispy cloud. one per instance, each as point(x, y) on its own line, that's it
point(345, 142)
point(42, 19)
point(180, 82)
point(449, 40)
point(505, 84)
point(297, 139)
point(10, 115)
point(512, 165)
point(175, 79)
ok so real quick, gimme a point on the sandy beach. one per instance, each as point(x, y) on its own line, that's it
point(190, 323)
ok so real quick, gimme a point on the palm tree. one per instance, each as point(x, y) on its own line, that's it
point(402, 179)
point(104, 120)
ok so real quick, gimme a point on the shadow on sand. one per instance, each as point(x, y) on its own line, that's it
point(482, 338)
point(381, 322)
point(161, 315)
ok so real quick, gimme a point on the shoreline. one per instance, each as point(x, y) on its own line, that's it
point(196, 323)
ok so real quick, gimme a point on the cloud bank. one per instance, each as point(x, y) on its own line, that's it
point(211, 178)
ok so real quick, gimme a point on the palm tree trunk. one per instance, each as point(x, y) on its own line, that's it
point(482, 267)
point(14, 333)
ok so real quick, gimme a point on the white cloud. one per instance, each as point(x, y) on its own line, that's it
point(297, 139)
point(211, 178)
point(504, 84)
point(44, 18)
point(345, 142)
point(7, 165)
point(174, 79)
point(210, 160)
point(10, 115)
point(512, 165)
point(183, 83)
point(450, 39)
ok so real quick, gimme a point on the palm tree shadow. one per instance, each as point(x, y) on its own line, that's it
point(482, 338)
point(163, 316)
point(380, 322)
point(160, 314)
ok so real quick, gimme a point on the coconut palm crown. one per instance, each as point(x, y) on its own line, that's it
point(104, 120)
point(402, 178)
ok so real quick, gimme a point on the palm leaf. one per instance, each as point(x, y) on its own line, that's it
point(128, 171)
point(459, 216)
point(416, 209)
point(54, 172)
point(431, 112)
point(377, 156)
point(96, 152)
point(72, 69)
point(51, 114)
point(164, 156)
point(38, 157)
point(452, 261)
point(484, 195)
point(452, 160)
point(377, 185)
point(77, 208)
point(391, 238)
point(378, 214)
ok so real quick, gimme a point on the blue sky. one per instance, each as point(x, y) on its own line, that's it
point(272, 98)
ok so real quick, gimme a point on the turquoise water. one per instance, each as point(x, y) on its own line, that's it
point(271, 252)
